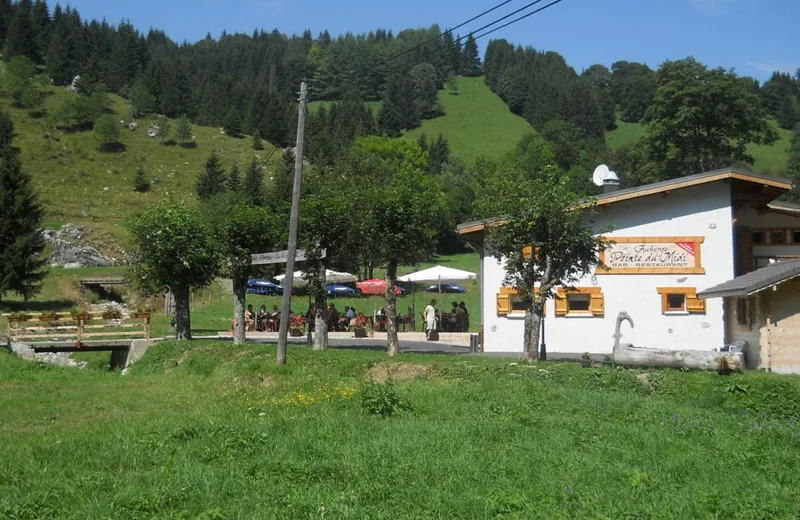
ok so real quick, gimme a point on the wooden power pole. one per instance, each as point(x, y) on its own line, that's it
point(293, 222)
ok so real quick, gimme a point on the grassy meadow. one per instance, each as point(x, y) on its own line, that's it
point(476, 122)
point(206, 430)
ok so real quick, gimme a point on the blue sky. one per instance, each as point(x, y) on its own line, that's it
point(754, 37)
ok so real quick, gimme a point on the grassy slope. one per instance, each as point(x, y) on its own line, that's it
point(207, 430)
point(476, 122)
point(72, 175)
point(769, 159)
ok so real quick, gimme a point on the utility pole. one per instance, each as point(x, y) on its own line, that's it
point(293, 222)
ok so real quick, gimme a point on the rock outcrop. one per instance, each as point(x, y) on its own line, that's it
point(68, 249)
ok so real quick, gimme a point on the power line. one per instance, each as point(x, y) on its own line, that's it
point(446, 51)
point(450, 30)
point(518, 19)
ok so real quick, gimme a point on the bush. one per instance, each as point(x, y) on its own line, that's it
point(106, 130)
point(140, 183)
point(382, 399)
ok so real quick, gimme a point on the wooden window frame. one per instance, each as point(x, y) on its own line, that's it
point(792, 232)
point(761, 232)
point(698, 260)
point(505, 306)
point(783, 242)
point(692, 304)
point(596, 301)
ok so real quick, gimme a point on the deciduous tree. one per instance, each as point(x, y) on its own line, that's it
point(242, 231)
point(174, 249)
point(183, 130)
point(702, 119)
point(543, 241)
point(106, 132)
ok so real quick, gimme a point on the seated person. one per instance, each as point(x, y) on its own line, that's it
point(250, 318)
point(333, 318)
point(261, 318)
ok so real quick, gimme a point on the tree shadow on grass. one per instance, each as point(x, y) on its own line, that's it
point(112, 148)
point(36, 306)
point(189, 145)
point(169, 142)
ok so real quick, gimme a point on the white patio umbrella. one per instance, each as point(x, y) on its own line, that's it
point(330, 277)
point(438, 274)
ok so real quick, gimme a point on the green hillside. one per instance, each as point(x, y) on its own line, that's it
point(80, 184)
point(476, 122)
point(769, 159)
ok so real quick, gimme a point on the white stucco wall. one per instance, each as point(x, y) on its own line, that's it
point(697, 211)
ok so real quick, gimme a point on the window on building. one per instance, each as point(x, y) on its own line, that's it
point(509, 302)
point(580, 301)
point(796, 236)
point(758, 237)
point(681, 300)
point(743, 311)
point(676, 302)
point(777, 236)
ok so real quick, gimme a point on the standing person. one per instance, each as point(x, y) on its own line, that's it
point(430, 318)
point(463, 306)
point(460, 318)
point(333, 318)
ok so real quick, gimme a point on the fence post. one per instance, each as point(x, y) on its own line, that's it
point(80, 332)
point(147, 327)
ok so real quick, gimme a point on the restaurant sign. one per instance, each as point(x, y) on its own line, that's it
point(652, 255)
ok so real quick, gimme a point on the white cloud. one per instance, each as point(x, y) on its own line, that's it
point(769, 68)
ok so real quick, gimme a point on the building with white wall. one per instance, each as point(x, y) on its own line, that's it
point(672, 239)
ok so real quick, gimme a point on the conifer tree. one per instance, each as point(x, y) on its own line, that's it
point(212, 180)
point(20, 39)
point(471, 58)
point(258, 144)
point(140, 183)
point(234, 179)
point(233, 123)
point(253, 189)
point(22, 267)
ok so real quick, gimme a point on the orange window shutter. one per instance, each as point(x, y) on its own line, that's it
point(503, 304)
point(694, 304)
point(526, 251)
point(561, 303)
point(598, 306)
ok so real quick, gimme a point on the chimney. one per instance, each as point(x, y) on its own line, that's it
point(610, 183)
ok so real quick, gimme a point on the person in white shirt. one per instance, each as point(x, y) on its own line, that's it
point(430, 318)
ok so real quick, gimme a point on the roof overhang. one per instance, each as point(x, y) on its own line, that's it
point(764, 190)
point(754, 282)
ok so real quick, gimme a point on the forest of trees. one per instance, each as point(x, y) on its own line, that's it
point(245, 83)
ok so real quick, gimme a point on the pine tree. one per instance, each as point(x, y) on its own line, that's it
point(21, 40)
point(471, 58)
point(140, 183)
point(253, 189)
point(234, 179)
point(233, 123)
point(789, 112)
point(257, 143)
point(283, 185)
point(439, 155)
point(21, 214)
point(212, 180)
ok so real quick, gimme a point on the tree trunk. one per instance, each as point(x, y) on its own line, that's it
point(630, 356)
point(391, 310)
point(183, 320)
point(321, 320)
point(533, 325)
point(239, 293)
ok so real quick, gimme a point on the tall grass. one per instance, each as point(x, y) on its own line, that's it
point(206, 430)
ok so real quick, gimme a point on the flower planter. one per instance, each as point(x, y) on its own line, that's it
point(141, 315)
point(295, 332)
point(81, 317)
point(48, 318)
point(360, 332)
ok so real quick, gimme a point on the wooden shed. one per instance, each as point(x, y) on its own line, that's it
point(762, 308)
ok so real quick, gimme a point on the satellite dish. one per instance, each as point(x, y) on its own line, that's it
point(611, 177)
point(599, 174)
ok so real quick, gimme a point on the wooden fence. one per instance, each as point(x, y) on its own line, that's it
point(26, 326)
